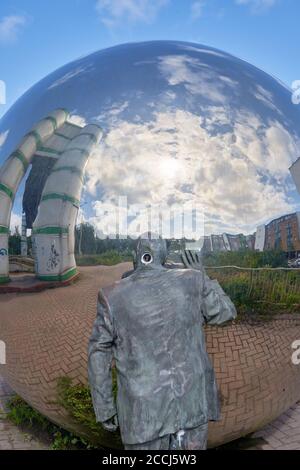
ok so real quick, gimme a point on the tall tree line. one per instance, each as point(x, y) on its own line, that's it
point(88, 243)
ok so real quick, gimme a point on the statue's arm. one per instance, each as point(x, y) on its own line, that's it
point(217, 306)
point(99, 363)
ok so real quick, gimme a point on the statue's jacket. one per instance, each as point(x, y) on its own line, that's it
point(151, 324)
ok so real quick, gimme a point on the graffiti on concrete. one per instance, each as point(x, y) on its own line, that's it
point(3, 252)
point(53, 260)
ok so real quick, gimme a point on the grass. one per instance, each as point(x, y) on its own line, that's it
point(258, 283)
point(109, 258)
point(27, 418)
point(247, 259)
point(271, 289)
point(77, 401)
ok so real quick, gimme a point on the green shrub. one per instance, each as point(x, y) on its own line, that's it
point(267, 289)
point(247, 259)
point(109, 258)
point(238, 291)
point(23, 415)
point(77, 400)
point(20, 413)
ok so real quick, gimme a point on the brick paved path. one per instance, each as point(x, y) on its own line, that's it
point(281, 434)
point(47, 335)
point(11, 437)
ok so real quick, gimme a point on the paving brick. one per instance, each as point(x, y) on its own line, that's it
point(11, 438)
point(47, 334)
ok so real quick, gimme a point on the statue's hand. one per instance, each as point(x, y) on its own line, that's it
point(111, 424)
point(192, 260)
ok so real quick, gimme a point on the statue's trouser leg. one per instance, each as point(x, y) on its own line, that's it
point(187, 439)
point(162, 443)
point(190, 439)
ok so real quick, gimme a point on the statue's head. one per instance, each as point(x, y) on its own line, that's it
point(150, 251)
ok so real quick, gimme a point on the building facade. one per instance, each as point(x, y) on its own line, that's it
point(282, 234)
point(228, 242)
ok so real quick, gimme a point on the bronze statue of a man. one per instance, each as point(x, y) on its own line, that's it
point(151, 324)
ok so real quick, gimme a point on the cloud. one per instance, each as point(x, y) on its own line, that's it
point(3, 137)
point(15, 221)
point(197, 9)
point(113, 12)
point(240, 182)
point(2, 92)
point(11, 26)
point(196, 77)
point(77, 120)
point(266, 97)
point(68, 76)
point(257, 6)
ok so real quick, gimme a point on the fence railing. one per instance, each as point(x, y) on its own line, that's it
point(252, 286)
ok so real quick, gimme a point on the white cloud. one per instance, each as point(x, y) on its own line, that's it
point(2, 92)
point(10, 27)
point(15, 221)
point(68, 76)
point(184, 70)
point(201, 50)
point(113, 12)
point(3, 137)
point(77, 120)
point(111, 112)
point(266, 97)
point(240, 182)
point(273, 152)
point(197, 9)
point(257, 6)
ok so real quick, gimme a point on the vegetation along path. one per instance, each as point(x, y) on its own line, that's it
point(11, 437)
point(281, 434)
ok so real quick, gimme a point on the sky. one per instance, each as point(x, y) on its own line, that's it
point(36, 37)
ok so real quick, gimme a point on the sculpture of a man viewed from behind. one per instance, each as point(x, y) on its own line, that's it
point(151, 324)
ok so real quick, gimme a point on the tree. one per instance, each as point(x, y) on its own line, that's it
point(85, 240)
point(14, 242)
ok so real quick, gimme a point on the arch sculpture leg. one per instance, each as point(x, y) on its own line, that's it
point(12, 172)
point(53, 229)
